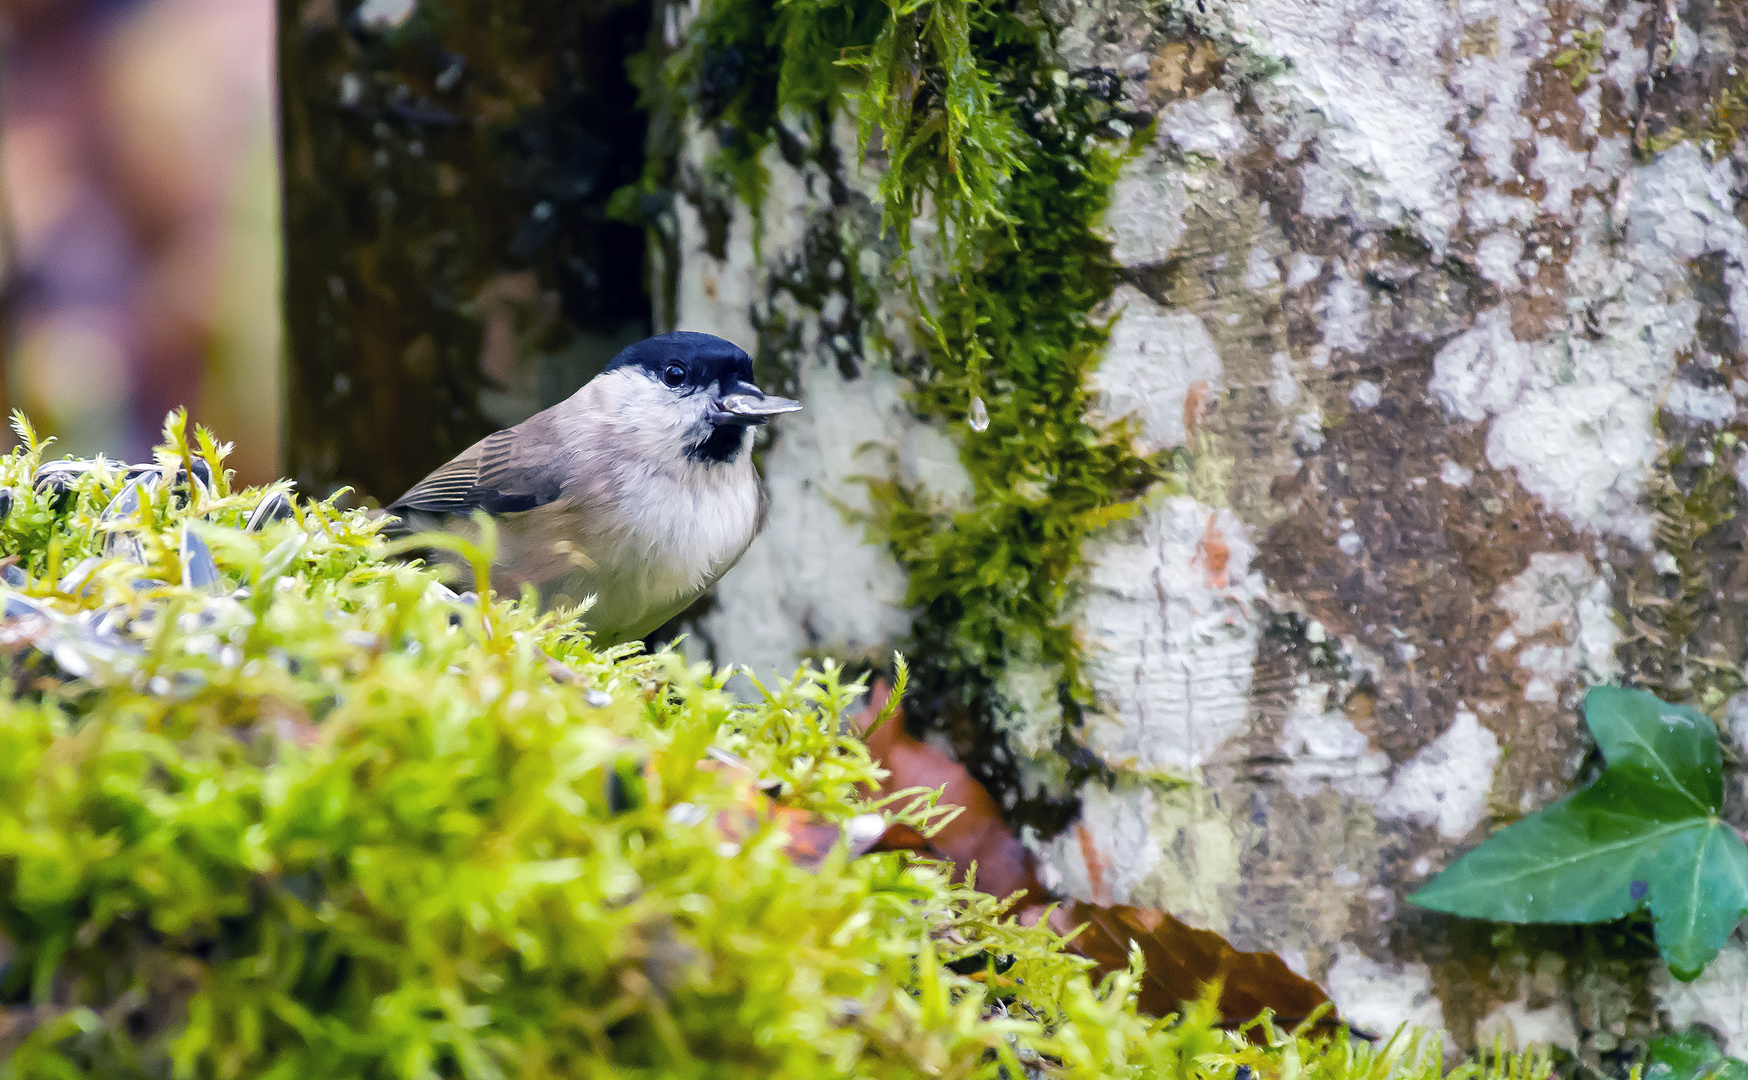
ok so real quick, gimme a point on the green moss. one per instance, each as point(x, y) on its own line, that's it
point(1582, 59)
point(1715, 125)
point(378, 840)
point(1726, 115)
point(960, 106)
point(1669, 648)
point(995, 582)
point(918, 82)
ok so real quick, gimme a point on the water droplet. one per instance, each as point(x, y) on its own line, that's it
point(864, 830)
point(598, 699)
point(979, 414)
point(275, 507)
point(198, 569)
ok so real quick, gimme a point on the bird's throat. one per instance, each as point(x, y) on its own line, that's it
point(721, 447)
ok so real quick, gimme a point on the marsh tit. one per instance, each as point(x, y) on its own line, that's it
point(638, 490)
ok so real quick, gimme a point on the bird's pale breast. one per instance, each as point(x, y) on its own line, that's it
point(643, 559)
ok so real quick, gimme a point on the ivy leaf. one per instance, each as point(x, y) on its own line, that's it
point(1691, 1055)
point(1645, 834)
point(1672, 742)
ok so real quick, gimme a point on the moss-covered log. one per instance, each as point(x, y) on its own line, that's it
point(450, 266)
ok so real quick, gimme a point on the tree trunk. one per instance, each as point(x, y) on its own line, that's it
point(1441, 305)
point(450, 267)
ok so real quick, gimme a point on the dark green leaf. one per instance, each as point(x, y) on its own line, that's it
point(1645, 834)
point(1698, 894)
point(1574, 862)
point(1675, 744)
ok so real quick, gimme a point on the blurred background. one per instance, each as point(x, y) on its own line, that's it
point(140, 228)
point(448, 182)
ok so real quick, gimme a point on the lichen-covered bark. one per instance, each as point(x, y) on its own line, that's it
point(450, 265)
point(1442, 303)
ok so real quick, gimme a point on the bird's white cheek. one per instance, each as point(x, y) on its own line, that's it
point(656, 419)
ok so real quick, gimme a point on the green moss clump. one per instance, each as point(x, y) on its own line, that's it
point(994, 582)
point(347, 825)
point(913, 70)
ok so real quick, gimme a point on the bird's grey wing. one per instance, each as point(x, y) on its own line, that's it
point(506, 473)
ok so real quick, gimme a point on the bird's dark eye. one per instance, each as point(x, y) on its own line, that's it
point(674, 374)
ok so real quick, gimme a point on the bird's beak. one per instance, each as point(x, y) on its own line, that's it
point(747, 404)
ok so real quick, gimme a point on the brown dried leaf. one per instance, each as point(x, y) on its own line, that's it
point(809, 837)
point(1181, 960)
point(978, 837)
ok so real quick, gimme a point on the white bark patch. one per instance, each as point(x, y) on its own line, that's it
point(1154, 360)
point(1564, 171)
point(1573, 414)
point(1560, 601)
point(1260, 270)
point(1371, 76)
point(1626, 60)
point(1483, 370)
point(1448, 782)
point(719, 296)
point(1584, 450)
point(711, 294)
point(1490, 80)
point(1302, 269)
point(1324, 749)
point(1308, 429)
point(1203, 125)
point(1365, 395)
point(1283, 388)
point(1345, 312)
point(1145, 219)
point(1497, 256)
point(1370, 995)
point(1166, 848)
point(811, 580)
point(1487, 208)
point(1682, 209)
point(1172, 633)
point(1702, 404)
point(1718, 998)
point(1111, 849)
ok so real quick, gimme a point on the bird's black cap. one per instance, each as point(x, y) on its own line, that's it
point(708, 359)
